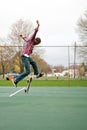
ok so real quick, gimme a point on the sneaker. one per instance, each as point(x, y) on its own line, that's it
point(13, 81)
point(39, 75)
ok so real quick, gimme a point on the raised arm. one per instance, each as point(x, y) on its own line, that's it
point(33, 35)
point(35, 31)
point(38, 24)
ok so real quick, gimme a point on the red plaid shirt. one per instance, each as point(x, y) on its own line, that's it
point(28, 48)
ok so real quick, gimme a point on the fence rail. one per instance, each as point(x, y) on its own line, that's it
point(45, 46)
point(67, 52)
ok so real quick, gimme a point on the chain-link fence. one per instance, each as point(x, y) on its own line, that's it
point(61, 62)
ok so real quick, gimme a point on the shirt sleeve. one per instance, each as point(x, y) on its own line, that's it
point(26, 39)
point(34, 34)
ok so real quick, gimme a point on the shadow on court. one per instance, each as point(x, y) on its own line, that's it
point(45, 108)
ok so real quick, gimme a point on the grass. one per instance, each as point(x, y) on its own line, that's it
point(49, 83)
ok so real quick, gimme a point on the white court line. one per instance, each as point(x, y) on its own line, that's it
point(16, 92)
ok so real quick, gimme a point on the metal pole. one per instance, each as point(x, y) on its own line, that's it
point(68, 66)
point(74, 60)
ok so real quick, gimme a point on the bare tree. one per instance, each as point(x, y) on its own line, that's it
point(42, 65)
point(24, 27)
point(82, 33)
point(5, 59)
point(82, 69)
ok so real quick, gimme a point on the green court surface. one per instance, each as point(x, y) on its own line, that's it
point(44, 108)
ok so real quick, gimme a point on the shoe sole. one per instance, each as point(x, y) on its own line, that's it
point(13, 83)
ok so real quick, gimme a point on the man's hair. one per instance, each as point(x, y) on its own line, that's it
point(38, 41)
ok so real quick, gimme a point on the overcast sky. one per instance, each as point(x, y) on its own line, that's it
point(57, 18)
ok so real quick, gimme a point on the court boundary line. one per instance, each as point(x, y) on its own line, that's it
point(16, 92)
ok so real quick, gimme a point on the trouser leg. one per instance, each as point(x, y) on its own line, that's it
point(34, 65)
point(26, 63)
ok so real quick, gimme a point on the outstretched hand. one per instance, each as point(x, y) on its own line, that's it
point(20, 35)
point(38, 23)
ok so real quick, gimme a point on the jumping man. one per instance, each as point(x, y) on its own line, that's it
point(26, 56)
